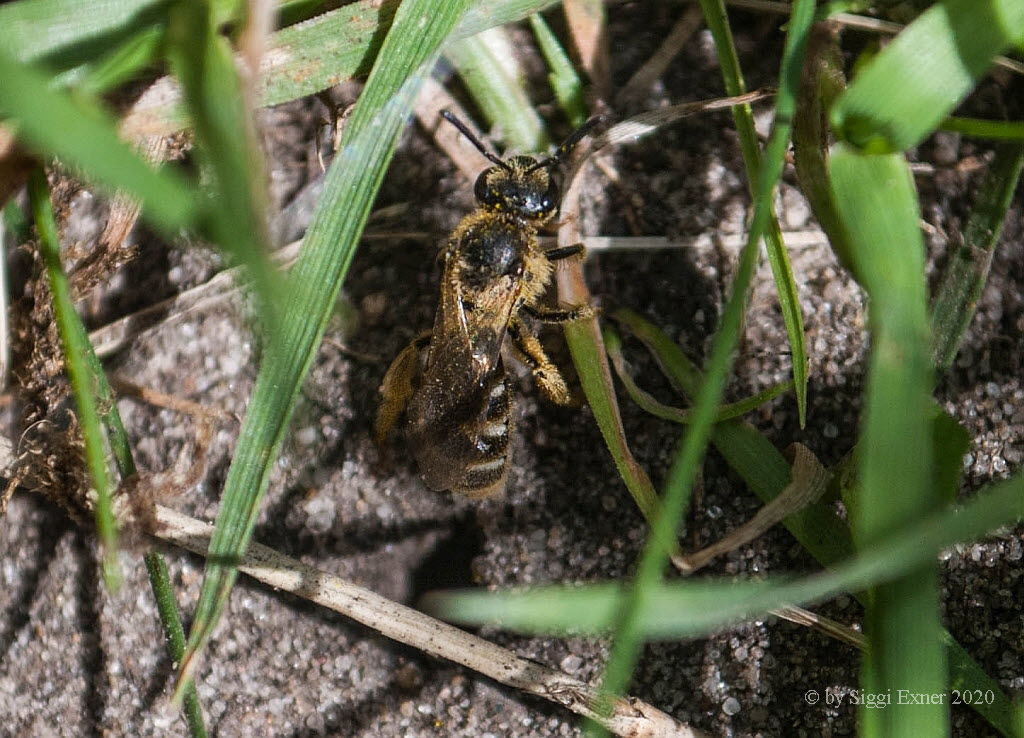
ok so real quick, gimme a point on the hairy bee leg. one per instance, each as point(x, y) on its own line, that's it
point(559, 315)
point(566, 252)
point(545, 373)
point(396, 389)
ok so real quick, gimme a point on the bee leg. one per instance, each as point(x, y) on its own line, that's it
point(559, 315)
point(397, 388)
point(545, 373)
point(566, 252)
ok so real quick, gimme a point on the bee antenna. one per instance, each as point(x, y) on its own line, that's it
point(464, 130)
point(566, 146)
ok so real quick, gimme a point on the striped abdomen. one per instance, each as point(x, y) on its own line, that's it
point(460, 440)
point(487, 466)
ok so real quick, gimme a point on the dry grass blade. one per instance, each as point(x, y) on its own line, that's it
point(631, 129)
point(809, 480)
point(629, 717)
point(828, 626)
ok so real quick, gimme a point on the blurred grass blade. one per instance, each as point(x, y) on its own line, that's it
point(877, 203)
point(83, 136)
point(16, 222)
point(967, 269)
point(565, 83)
point(63, 33)
point(789, 82)
point(993, 130)
point(83, 384)
point(696, 608)
point(351, 185)
point(235, 197)
point(489, 68)
point(905, 92)
point(613, 345)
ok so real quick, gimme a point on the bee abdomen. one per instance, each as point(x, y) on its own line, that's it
point(487, 466)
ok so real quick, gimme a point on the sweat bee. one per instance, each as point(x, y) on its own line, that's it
point(451, 383)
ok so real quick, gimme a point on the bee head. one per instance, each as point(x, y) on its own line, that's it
point(521, 185)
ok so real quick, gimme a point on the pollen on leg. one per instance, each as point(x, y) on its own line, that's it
point(551, 383)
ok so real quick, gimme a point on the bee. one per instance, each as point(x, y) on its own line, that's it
point(451, 383)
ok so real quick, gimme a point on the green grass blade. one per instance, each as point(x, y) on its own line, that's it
point(167, 607)
point(905, 92)
point(489, 69)
point(877, 203)
point(694, 608)
point(236, 210)
point(82, 135)
point(595, 378)
point(789, 306)
point(950, 442)
point(967, 270)
point(613, 345)
point(83, 384)
point(732, 76)
point(352, 183)
point(965, 674)
point(16, 222)
point(562, 76)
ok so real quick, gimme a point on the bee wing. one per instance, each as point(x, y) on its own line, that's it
point(471, 337)
point(462, 386)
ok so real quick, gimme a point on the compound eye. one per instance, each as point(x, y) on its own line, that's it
point(481, 191)
point(551, 197)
